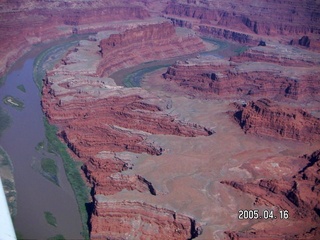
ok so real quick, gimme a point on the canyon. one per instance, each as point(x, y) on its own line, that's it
point(98, 118)
point(274, 71)
point(43, 21)
point(234, 126)
point(244, 22)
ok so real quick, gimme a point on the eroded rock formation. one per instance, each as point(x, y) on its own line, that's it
point(299, 195)
point(104, 174)
point(263, 117)
point(137, 220)
point(143, 44)
point(96, 119)
point(244, 21)
point(274, 72)
point(40, 21)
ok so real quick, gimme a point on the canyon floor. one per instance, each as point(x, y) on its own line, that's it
point(190, 170)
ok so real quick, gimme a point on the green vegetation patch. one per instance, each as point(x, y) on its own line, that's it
point(134, 79)
point(45, 61)
point(49, 169)
point(50, 218)
point(49, 166)
point(22, 88)
point(13, 102)
point(11, 195)
point(73, 174)
point(40, 146)
point(19, 236)
point(5, 120)
point(57, 237)
point(2, 80)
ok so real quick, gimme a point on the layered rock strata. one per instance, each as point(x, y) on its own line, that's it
point(298, 195)
point(104, 174)
point(96, 118)
point(113, 124)
point(243, 21)
point(40, 21)
point(264, 117)
point(145, 43)
point(138, 220)
point(274, 71)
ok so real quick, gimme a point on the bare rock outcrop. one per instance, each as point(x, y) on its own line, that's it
point(145, 43)
point(104, 174)
point(41, 21)
point(97, 119)
point(298, 195)
point(107, 117)
point(137, 220)
point(248, 18)
point(276, 72)
point(113, 124)
point(263, 117)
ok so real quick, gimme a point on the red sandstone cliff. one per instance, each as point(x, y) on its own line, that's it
point(266, 118)
point(24, 23)
point(143, 44)
point(111, 124)
point(243, 21)
point(137, 220)
point(104, 176)
point(299, 195)
point(274, 72)
point(96, 119)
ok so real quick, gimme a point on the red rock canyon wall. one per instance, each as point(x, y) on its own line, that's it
point(96, 118)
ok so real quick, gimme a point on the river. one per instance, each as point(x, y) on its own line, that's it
point(35, 193)
point(132, 76)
